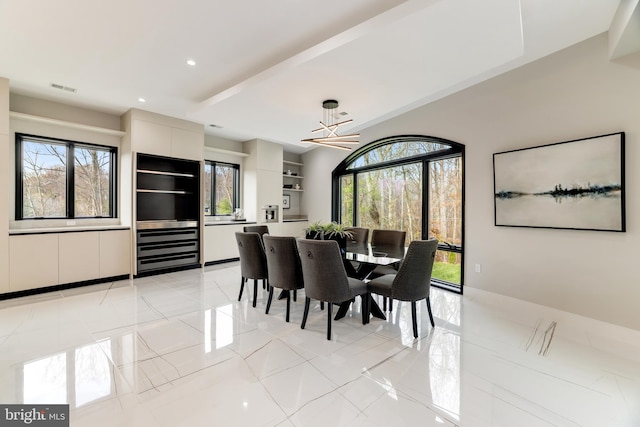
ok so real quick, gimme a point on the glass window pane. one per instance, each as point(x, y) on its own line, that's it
point(44, 182)
point(92, 179)
point(397, 150)
point(447, 267)
point(346, 200)
point(208, 167)
point(445, 200)
point(225, 178)
point(391, 199)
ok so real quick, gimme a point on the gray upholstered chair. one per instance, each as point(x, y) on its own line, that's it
point(387, 241)
point(412, 282)
point(260, 229)
point(325, 279)
point(360, 236)
point(283, 265)
point(253, 262)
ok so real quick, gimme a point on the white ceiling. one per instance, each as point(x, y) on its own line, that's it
point(264, 67)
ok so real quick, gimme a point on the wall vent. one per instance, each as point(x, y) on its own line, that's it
point(63, 87)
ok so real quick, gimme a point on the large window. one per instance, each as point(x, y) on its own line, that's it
point(221, 188)
point(410, 183)
point(64, 179)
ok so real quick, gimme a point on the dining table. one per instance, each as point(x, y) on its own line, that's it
point(360, 259)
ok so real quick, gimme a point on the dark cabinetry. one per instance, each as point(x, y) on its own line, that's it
point(168, 212)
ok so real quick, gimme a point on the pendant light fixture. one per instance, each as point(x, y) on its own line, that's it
point(329, 128)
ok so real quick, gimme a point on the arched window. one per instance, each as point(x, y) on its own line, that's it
point(413, 183)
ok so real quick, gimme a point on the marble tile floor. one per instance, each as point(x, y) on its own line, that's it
point(179, 350)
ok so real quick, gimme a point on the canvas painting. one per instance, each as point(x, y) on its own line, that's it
point(574, 184)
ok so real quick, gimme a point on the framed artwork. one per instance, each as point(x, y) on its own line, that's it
point(286, 201)
point(575, 184)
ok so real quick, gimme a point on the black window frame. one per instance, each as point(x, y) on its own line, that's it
point(236, 186)
point(455, 150)
point(69, 175)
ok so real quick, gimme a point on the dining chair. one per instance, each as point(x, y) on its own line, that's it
point(325, 279)
point(260, 229)
point(283, 267)
point(387, 240)
point(360, 235)
point(412, 282)
point(253, 262)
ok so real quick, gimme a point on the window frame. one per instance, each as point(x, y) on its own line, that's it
point(236, 186)
point(455, 150)
point(70, 147)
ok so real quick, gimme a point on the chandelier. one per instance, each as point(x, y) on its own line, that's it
point(329, 128)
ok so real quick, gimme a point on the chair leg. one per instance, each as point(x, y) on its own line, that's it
point(366, 311)
point(329, 305)
point(413, 318)
point(321, 305)
point(269, 300)
point(384, 303)
point(433, 324)
point(295, 295)
point(288, 306)
point(307, 301)
point(242, 280)
point(390, 304)
point(255, 291)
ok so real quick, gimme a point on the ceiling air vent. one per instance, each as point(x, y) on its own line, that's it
point(65, 88)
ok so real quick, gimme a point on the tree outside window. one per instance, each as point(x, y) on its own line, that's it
point(52, 185)
point(222, 188)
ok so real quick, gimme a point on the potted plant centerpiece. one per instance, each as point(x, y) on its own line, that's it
point(329, 231)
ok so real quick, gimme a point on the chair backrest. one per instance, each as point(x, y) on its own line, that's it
point(325, 278)
point(283, 262)
point(413, 280)
point(391, 238)
point(359, 235)
point(260, 229)
point(253, 262)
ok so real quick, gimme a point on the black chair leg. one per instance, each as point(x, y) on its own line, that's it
point(390, 304)
point(255, 291)
point(307, 301)
point(242, 279)
point(366, 311)
point(413, 318)
point(433, 324)
point(295, 295)
point(321, 305)
point(384, 303)
point(288, 306)
point(329, 306)
point(269, 300)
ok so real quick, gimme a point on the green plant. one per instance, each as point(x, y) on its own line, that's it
point(328, 230)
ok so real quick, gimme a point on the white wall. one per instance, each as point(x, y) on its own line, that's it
point(5, 162)
point(572, 94)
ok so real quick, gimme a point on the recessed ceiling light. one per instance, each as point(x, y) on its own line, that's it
point(191, 62)
point(142, 100)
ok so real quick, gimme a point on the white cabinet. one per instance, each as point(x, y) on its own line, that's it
point(164, 136)
point(115, 253)
point(33, 261)
point(41, 260)
point(220, 242)
point(151, 138)
point(78, 257)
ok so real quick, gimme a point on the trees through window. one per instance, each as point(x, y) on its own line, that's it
point(409, 183)
point(222, 188)
point(64, 179)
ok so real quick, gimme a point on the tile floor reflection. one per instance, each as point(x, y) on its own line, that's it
point(179, 350)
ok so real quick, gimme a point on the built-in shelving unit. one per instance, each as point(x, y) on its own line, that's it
point(167, 213)
point(293, 187)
